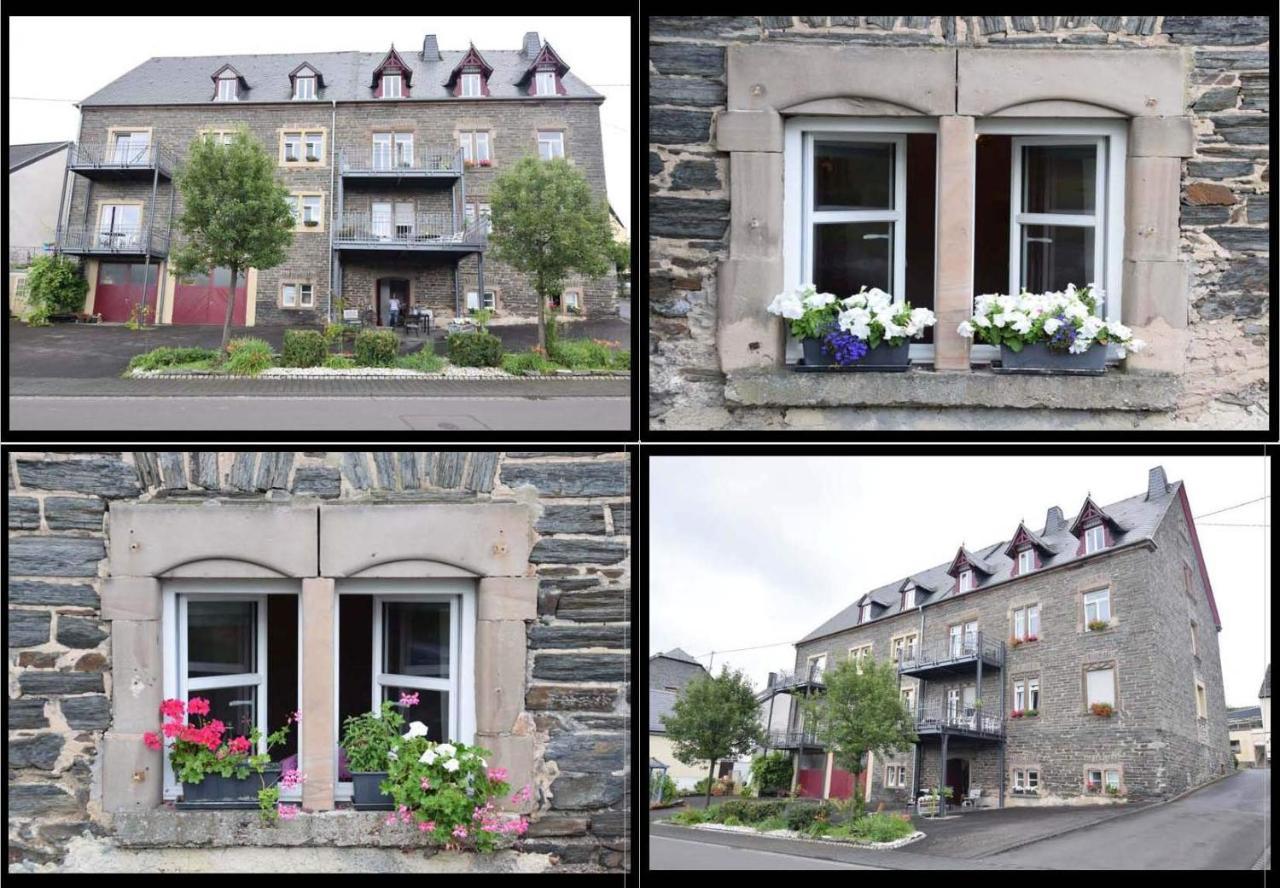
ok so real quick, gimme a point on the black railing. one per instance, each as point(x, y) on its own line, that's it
point(120, 157)
point(792, 739)
point(931, 718)
point(91, 239)
point(953, 651)
point(402, 158)
point(418, 230)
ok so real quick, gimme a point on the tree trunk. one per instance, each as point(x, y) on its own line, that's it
point(231, 307)
point(711, 776)
point(857, 795)
point(542, 323)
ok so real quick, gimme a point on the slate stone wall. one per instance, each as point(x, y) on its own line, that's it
point(579, 662)
point(1224, 213)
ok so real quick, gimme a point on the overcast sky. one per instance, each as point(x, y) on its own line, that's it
point(597, 49)
point(749, 551)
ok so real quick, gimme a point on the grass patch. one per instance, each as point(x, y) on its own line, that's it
point(873, 828)
point(166, 357)
point(424, 360)
point(771, 823)
point(692, 817)
point(589, 354)
point(527, 362)
point(249, 356)
point(339, 362)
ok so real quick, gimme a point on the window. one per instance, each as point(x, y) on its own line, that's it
point(858, 654)
point(474, 302)
point(898, 644)
point(1026, 780)
point(1195, 647)
point(1097, 607)
point(297, 296)
point(310, 208)
point(909, 698)
point(469, 214)
point(966, 580)
point(546, 83)
point(1033, 693)
point(971, 636)
point(1026, 561)
point(404, 150)
point(1026, 622)
point(227, 91)
point(1020, 624)
point(475, 146)
point(911, 647)
point(1202, 701)
point(817, 666)
point(909, 598)
point(391, 86)
point(314, 144)
point(1094, 780)
point(1019, 780)
point(222, 136)
point(381, 218)
point(1019, 696)
point(292, 147)
point(1235, 746)
point(131, 147)
point(404, 219)
point(308, 211)
point(304, 88)
point(302, 147)
point(119, 226)
point(953, 704)
point(1101, 686)
point(895, 776)
point(1112, 778)
point(1033, 621)
point(470, 85)
point(1095, 539)
point(486, 216)
point(550, 144)
point(957, 640)
point(392, 150)
point(865, 616)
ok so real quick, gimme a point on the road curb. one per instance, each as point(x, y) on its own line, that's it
point(1125, 812)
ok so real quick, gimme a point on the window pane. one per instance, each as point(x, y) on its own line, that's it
point(1056, 255)
point(482, 146)
point(416, 638)
point(220, 637)
point(847, 255)
point(110, 273)
point(1019, 617)
point(1033, 621)
point(234, 707)
point(1113, 779)
point(853, 175)
point(289, 294)
point(432, 710)
point(306, 294)
point(1101, 686)
point(1059, 178)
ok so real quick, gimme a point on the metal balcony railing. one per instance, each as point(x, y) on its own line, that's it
point(934, 718)
point(792, 740)
point(953, 652)
point(423, 230)
point(91, 239)
point(402, 159)
point(120, 156)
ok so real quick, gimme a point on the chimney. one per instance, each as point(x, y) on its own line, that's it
point(531, 45)
point(773, 679)
point(1156, 483)
point(430, 50)
point(1053, 521)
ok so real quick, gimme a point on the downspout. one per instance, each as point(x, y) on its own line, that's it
point(333, 154)
point(919, 758)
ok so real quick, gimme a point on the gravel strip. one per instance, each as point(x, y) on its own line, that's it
point(382, 373)
point(801, 837)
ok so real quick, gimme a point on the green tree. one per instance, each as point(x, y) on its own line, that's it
point(772, 773)
point(620, 256)
point(54, 285)
point(714, 718)
point(235, 214)
point(548, 224)
point(860, 714)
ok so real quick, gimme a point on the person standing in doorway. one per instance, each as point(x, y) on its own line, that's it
point(394, 305)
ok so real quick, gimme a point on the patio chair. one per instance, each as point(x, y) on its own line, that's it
point(971, 800)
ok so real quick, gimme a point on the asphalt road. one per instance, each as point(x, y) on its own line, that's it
point(328, 413)
point(668, 853)
point(1220, 827)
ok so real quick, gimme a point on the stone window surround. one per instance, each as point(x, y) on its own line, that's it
point(1104, 769)
point(1082, 627)
point(1200, 690)
point(490, 542)
point(856, 656)
point(1020, 605)
point(298, 284)
point(1086, 668)
point(957, 87)
point(303, 132)
point(904, 636)
point(1025, 679)
point(900, 781)
point(295, 197)
point(1024, 769)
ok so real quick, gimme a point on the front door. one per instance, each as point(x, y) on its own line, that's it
point(120, 289)
point(388, 287)
point(958, 779)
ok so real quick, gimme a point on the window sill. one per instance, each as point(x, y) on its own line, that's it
point(919, 387)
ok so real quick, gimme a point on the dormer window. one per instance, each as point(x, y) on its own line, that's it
point(227, 91)
point(471, 85)
point(966, 580)
point(545, 74)
point(469, 79)
point(909, 598)
point(865, 617)
point(304, 88)
point(1026, 561)
point(546, 85)
point(1095, 539)
point(391, 86)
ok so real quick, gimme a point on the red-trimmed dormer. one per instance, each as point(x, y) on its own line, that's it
point(392, 78)
point(1094, 528)
point(1027, 551)
point(470, 77)
point(305, 82)
point(545, 76)
point(965, 567)
point(229, 85)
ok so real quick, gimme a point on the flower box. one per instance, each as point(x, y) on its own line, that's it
point(1014, 642)
point(311, 158)
point(366, 794)
point(1017, 713)
point(1031, 713)
point(486, 163)
point(1098, 625)
point(1033, 638)
point(1102, 710)
point(1037, 357)
point(866, 331)
point(216, 791)
point(311, 223)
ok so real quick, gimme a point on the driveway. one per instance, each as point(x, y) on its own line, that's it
point(101, 351)
point(1223, 826)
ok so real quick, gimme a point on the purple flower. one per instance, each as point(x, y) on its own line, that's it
point(844, 347)
point(1064, 335)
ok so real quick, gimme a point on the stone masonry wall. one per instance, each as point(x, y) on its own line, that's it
point(513, 133)
point(60, 658)
point(1154, 735)
point(1224, 219)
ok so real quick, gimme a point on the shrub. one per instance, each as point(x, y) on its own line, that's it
point(581, 354)
point(743, 810)
point(800, 817)
point(482, 317)
point(818, 828)
point(622, 359)
point(772, 773)
point(882, 828)
point(771, 823)
point(731, 821)
point(303, 348)
point(531, 361)
point(475, 349)
point(339, 362)
point(376, 348)
point(248, 356)
point(54, 286)
point(339, 334)
point(424, 360)
point(168, 357)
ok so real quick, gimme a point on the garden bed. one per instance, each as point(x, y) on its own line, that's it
point(449, 372)
point(797, 820)
point(805, 837)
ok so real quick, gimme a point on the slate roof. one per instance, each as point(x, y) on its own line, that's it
point(678, 654)
point(21, 155)
point(1265, 690)
point(1247, 713)
point(186, 80)
point(660, 703)
point(1139, 516)
point(674, 669)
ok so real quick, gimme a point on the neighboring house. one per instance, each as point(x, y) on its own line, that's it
point(1021, 152)
point(325, 581)
point(35, 183)
point(388, 158)
point(1264, 702)
point(1248, 740)
point(668, 674)
point(1052, 620)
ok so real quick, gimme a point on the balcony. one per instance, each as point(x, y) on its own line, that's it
point(794, 682)
point(425, 232)
point(936, 720)
point(953, 657)
point(92, 241)
point(120, 163)
point(379, 163)
point(799, 740)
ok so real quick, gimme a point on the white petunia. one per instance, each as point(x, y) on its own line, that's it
point(981, 321)
point(451, 765)
point(788, 305)
point(878, 300)
point(1118, 330)
point(922, 317)
point(1000, 319)
point(1020, 322)
point(447, 750)
point(965, 329)
point(857, 300)
point(428, 757)
point(1051, 325)
point(1091, 326)
point(819, 300)
point(1080, 346)
point(416, 729)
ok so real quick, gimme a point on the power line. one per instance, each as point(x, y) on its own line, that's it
point(1236, 506)
point(1214, 524)
point(33, 99)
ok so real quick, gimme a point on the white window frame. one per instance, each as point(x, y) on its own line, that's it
point(1101, 601)
point(317, 137)
point(1020, 623)
point(1018, 780)
point(1019, 695)
point(1033, 694)
point(542, 79)
point(1033, 780)
point(797, 158)
point(1089, 700)
point(953, 704)
point(1026, 561)
point(234, 92)
point(383, 146)
point(473, 300)
point(319, 207)
point(301, 94)
point(858, 654)
point(1033, 620)
point(1095, 539)
point(1098, 784)
point(822, 665)
point(1116, 133)
point(908, 695)
point(399, 143)
point(911, 646)
point(967, 583)
point(173, 632)
point(955, 635)
point(462, 703)
point(471, 87)
point(387, 81)
point(899, 647)
point(555, 140)
point(864, 613)
point(135, 150)
point(482, 139)
point(1107, 774)
point(294, 140)
point(909, 598)
point(971, 636)
point(287, 291)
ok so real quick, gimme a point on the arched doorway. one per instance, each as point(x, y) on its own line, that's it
point(385, 288)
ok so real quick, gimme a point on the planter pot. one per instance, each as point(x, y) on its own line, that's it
point(881, 358)
point(216, 791)
point(367, 795)
point(814, 354)
point(1039, 358)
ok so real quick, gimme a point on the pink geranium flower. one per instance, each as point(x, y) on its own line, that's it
point(172, 729)
point(459, 832)
point(497, 773)
point(426, 826)
point(240, 745)
point(152, 740)
point(408, 699)
point(171, 709)
point(426, 784)
point(287, 812)
point(430, 825)
point(198, 706)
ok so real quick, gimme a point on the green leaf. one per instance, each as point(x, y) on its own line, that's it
point(1014, 343)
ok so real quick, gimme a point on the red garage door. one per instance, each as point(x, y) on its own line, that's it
point(120, 288)
point(842, 783)
point(809, 783)
point(199, 300)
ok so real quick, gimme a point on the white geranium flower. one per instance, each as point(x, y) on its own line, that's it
point(922, 317)
point(1051, 325)
point(984, 302)
point(1118, 330)
point(1136, 345)
point(965, 329)
point(1080, 346)
point(448, 750)
point(857, 300)
point(878, 300)
point(819, 300)
point(1091, 326)
point(451, 765)
point(788, 305)
point(981, 321)
point(428, 757)
point(1000, 319)
point(416, 729)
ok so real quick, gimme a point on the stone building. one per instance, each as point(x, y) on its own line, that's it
point(1007, 652)
point(1167, 118)
point(668, 674)
point(524, 555)
point(388, 158)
